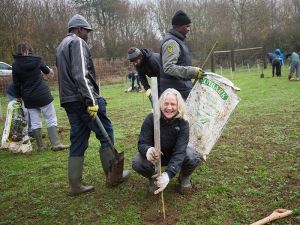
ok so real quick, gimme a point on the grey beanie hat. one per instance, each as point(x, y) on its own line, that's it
point(79, 21)
point(133, 53)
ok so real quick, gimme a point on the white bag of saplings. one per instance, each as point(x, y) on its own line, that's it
point(15, 134)
point(209, 106)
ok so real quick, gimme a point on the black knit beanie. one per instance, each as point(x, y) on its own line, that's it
point(180, 18)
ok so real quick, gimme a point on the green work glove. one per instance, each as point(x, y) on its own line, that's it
point(92, 110)
point(199, 73)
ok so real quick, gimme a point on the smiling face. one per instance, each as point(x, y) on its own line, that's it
point(170, 106)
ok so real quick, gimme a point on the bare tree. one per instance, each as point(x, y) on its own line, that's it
point(119, 24)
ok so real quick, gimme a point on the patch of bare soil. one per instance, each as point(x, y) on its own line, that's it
point(155, 217)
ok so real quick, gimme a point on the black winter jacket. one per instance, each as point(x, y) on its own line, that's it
point(28, 81)
point(174, 136)
point(150, 66)
point(76, 73)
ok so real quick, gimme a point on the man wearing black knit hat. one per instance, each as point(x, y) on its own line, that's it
point(177, 70)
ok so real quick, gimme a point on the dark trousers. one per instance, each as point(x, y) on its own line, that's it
point(276, 67)
point(145, 168)
point(82, 124)
point(133, 78)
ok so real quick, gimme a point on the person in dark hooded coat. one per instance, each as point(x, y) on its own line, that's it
point(31, 88)
point(176, 155)
point(146, 62)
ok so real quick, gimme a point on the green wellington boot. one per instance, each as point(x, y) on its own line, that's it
point(37, 133)
point(185, 184)
point(54, 139)
point(75, 168)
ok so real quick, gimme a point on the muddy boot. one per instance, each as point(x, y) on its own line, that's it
point(185, 184)
point(106, 155)
point(75, 167)
point(37, 133)
point(54, 139)
point(152, 187)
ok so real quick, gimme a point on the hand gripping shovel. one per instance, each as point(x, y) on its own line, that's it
point(116, 164)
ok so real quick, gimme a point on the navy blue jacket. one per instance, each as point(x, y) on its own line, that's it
point(28, 81)
point(174, 136)
point(150, 66)
point(10, 89)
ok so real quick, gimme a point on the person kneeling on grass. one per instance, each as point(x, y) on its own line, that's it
point(174, 136)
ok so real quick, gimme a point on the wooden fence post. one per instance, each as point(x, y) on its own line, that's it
point(212, 63)
point(264, 57)
point(1, 117)
point(232, 60)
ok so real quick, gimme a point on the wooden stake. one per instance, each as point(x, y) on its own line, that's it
point(156, 118)
point(207, 58)
point(1, 118)
point(276, 214)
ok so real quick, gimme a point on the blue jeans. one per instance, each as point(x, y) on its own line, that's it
point(82, 124)
point(276, 66)
point(133, 78)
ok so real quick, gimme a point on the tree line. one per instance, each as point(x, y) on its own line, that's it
point(119, 24)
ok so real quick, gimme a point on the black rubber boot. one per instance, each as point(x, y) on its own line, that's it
point(185, 185)
point(152, 187)
point(75, 168)
point(106, 155)
point(54, 139)
point(37, 133)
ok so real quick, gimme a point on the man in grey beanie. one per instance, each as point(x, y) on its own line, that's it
point(177, 70)
point(79, 95)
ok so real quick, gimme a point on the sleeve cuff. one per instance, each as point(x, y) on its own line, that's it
point(170, 174)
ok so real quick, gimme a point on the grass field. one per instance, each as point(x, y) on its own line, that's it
point(253, 169)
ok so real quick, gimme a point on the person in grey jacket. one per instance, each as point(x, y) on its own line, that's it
point(146, 62)
point(175, 153)
point(295, 65)
point(79, 95)
point(177, 70)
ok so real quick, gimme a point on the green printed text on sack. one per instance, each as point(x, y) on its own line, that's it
point(215, 87)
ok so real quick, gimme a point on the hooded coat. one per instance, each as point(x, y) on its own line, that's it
point(150, 66)
point(28, 81)
point(174, 136)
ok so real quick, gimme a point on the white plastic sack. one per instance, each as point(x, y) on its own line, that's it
point(210, 104)
point(15, 135)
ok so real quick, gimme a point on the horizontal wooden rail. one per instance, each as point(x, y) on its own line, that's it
point(238, 50)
